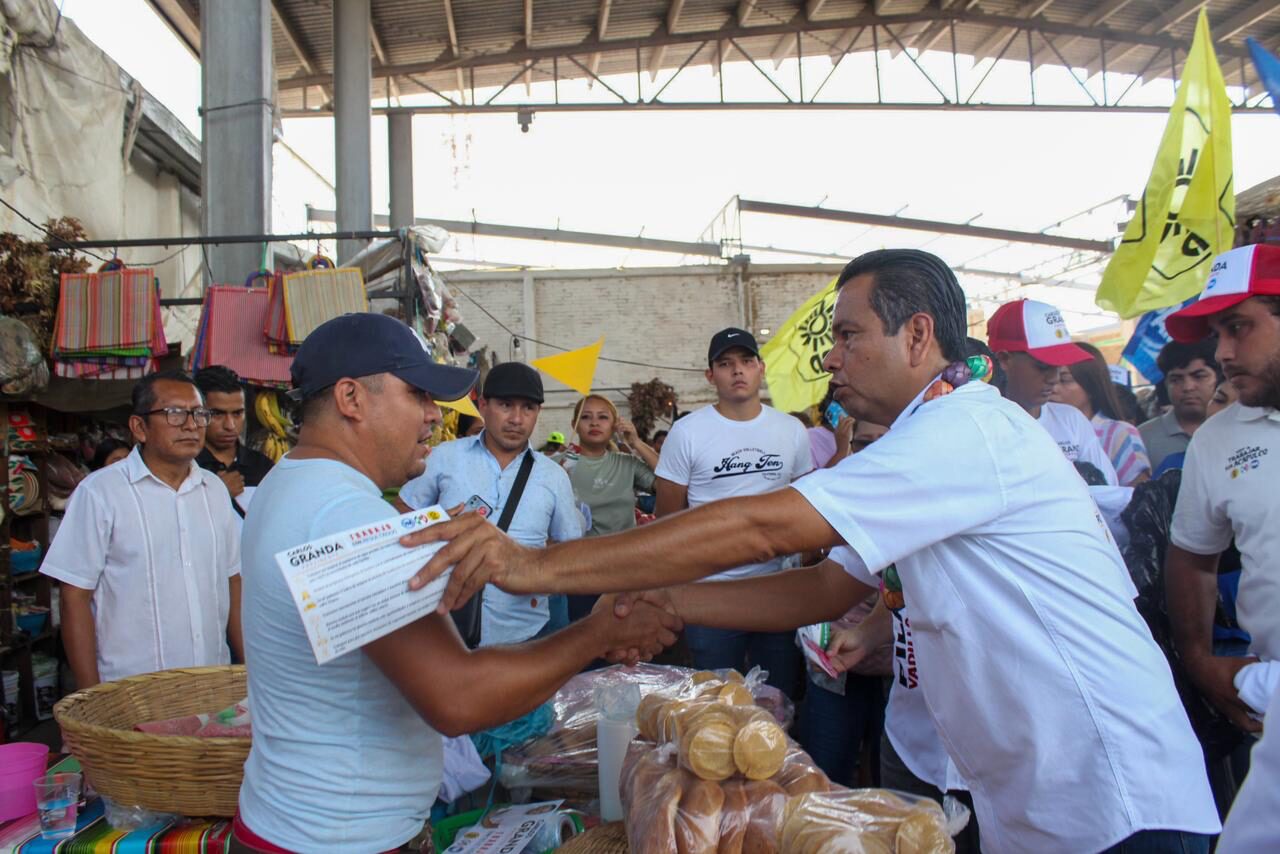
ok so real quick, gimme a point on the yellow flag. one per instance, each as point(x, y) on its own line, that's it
point(1187, 212)
point(576, 369)
point(793, 357)
point(462, 404)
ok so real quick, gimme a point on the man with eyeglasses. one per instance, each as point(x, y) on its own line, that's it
point(148, 553)
point(239, 468)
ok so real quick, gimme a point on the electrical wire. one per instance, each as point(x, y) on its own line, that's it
point(518, 336)
point(50, 236)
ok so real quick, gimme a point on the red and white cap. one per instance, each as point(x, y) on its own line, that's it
point(1235, 276)
point(1034, 328)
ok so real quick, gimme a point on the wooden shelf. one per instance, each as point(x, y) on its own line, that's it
point(26, 576)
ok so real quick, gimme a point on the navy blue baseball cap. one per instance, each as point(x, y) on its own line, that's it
point(363, 344)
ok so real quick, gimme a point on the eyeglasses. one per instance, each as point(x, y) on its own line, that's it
point(176, 416)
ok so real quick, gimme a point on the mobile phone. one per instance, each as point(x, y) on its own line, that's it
point(479, 505)
point(833, 414)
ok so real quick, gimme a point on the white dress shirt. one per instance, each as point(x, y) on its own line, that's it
point(1044, 683)
point(158, 562)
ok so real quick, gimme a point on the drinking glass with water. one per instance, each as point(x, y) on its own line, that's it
point(58, 799)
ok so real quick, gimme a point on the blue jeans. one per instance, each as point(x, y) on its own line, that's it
point(776, 652)
point(1162, 842)
point(834, 727)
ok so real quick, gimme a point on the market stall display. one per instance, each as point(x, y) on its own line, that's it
point(230, 334)
point(108, 324)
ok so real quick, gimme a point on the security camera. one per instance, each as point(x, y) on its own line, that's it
point(525, 117)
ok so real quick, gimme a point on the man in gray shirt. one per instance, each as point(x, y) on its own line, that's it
point(1190, 376)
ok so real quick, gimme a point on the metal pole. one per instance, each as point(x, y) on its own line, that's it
point(400, 167)
point(352, 84)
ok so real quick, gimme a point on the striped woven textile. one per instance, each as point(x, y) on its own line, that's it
point(230, 335)
point(274, 328)
point(94, 836)
point(108, 325)
point(314, 296)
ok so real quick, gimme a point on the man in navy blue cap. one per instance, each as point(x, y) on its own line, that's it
point(347, 756)
point(488, 466)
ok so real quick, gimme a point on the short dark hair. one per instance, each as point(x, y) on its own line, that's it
point(907, 282)
point(219, 379)
point(1129, 409)
point(1176, 356)
point(106, 448)
point(144, 391)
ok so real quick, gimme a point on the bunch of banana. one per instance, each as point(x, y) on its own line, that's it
point(276, 443)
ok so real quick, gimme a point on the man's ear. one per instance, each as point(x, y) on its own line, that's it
point(710, 375)
point(138, 428)
point(350, 398)
point(919, 329)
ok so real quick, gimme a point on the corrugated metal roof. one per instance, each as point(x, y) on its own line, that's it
point(492, 43)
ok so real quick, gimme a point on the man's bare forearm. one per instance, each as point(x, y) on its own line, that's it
point(686, 547)
point(771, 603)
point(79, 638)
point(1191, 589)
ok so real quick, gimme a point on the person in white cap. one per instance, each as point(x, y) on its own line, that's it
point(1229, 486)
point(1031, 343)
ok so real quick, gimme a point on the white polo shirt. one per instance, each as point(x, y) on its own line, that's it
point(157, 561)
point(1229, 489)
point(1253, 826)
point(1076, 437)
point(907, 722)
point(1044, 683)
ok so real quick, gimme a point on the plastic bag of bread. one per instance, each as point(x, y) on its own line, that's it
point(669, 810)
point(867, 821)
point(563, 762)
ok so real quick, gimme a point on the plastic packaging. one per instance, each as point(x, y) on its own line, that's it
point(874, 821)
point(23, 369)
point(131, 817)
point(671, 810)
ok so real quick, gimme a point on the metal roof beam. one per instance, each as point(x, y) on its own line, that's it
point(602, 26)
point(962, 229)
point(555, 235)
point(745, 8)
point(1097, 16)
point(812, 8)
point(1245, 18)
point(659, 51)
point(452, 25)
point(1166, 20)
point(294, 40)
point(523, 54)
point(183, 19)
point(1028, 9)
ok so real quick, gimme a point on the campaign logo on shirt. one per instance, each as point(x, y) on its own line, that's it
point(1245, 460)
point(1070, 450)
point(749, 461)
point(904, 653)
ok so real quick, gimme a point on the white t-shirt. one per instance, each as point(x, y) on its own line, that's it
point(1044, 683)
point(1076, 437)
point(907, 722)
point(1253, 825)
point(716, 457)
point(1230, 489)
point(340, 760)
point(158, 562)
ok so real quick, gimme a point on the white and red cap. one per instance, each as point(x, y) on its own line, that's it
point(1035, 328)
point(1236, 275)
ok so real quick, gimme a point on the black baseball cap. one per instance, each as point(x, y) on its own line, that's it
point(363, 344)
point(727, 339)
point(513, 379)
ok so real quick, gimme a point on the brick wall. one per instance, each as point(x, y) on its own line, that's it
point(663, 317)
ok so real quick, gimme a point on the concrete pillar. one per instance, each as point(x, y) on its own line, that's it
point(236, 131)
point(400, 167)
point(352, 93)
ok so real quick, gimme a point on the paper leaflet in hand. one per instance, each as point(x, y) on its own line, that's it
point(353, 587)
point(814, 640)
point(513, 829)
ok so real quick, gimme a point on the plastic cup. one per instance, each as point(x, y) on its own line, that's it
point(58, 802)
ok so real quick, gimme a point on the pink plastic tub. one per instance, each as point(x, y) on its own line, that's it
point(21, 763)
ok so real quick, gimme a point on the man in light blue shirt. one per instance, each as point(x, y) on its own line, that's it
point(486, 465)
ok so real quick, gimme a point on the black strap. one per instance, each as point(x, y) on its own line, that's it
point(517, 490)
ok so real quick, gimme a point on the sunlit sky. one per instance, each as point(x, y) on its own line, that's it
point(667, 174)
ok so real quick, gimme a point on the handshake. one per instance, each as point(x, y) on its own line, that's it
point(636, 626)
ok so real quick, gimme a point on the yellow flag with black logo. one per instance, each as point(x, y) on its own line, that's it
point(1187, 212)
point(793, 357)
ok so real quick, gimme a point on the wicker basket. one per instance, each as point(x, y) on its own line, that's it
point(168, 773)
point(608, 838)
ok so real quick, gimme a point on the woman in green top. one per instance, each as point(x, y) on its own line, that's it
point(604, 478)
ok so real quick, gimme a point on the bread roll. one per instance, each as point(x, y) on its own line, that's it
point(765, 803)
point(697, 821)
point(736, 694)
point(734, 816)
point(759, 749)
point(735, 676)
point(647, 716)
point(707, 750)
point(800, 779)
point(704, 676)
point(651, 815)
point(924, 831)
